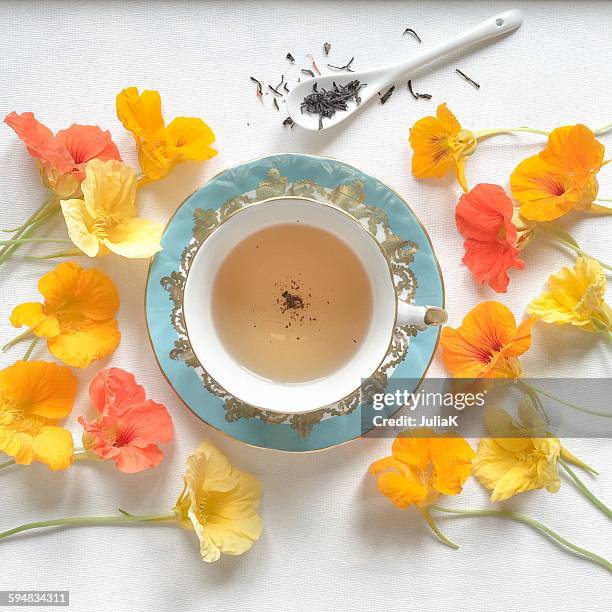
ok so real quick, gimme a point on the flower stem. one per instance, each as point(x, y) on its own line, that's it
point(486, 133)
point(570, 405)
point(33, 217)
point(430, 521)
point(555, 237)
point(603, 199)
point(16, 339)
point(50, 206)
point(67, 253)
point(90, 520)
point(602, 129)
point(585, 490)
point(31, 348)
point(526, 520)
point(7, 464)
point(19, 241)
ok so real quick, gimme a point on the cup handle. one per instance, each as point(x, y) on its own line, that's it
point(429, 316)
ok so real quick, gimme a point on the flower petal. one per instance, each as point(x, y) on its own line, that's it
point(54, 447)
point(131, 459)
point(135, 238)
point(191, 137)
point(80, 227)
point(115, 390)
point(43, 388)
point(236, 536)
point(109, 189)
point(140, 113)
point(94, 340)
point(145, 423)
point(17, 444)
point(32, 315)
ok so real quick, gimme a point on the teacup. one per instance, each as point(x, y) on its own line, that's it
point(388, 311)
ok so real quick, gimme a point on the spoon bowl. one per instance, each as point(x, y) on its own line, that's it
point(379, 79)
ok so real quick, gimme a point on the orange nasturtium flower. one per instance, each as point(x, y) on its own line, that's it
point(423, 466)
point(487, 344)
point(440, 145)
point(33, 396)
point(161, 146)
point(62, 157)
point(485, 218)
point(77, 317)
point(560, 178)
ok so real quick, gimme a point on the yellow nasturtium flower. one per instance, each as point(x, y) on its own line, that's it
point(219, 502)
point(440, 145)
point(105, 219)
point(522, 456)
point(161, 147)
point(33, 396)
point(77, 316)
point(576, 297)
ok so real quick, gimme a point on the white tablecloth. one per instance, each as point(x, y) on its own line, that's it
point(330, 540)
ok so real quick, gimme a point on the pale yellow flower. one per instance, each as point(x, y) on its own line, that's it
point(106, 218)
point(522, 456)
point(576, 297)
point(219, 502)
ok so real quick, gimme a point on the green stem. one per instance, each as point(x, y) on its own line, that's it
point(30, 348)
point(585, 491)
point(7, 464)
point(526, 520)
point(50, 205)
point(90, 520)
point(67, 253)
point(16, 339)
point(19, 241)
point(486, 133)
point(570, 405)
point(33, 217)
point(603, 129)
point(603, 199)
point(432, 524)
point(556, 238)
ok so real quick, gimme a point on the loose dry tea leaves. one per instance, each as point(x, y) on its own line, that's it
point(346, 67)
point(326, 102)
point(467, 78)
point(276, 104)
point(276, 93)
point(326, 48)
point(290, 58)
point(416, 95)
point(259, 86)
point(314, 65)
point(281, 82)
point(289, 121)
point(387, 95)
point(307, 72)
point(411, 31)
point(285, 87)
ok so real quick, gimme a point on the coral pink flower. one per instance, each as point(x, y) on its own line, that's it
point(63, 156)
point(129, 426)
point(484, 218)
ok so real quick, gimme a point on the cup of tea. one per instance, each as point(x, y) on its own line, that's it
point(290, 303)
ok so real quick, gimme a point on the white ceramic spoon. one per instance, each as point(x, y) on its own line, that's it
point(379, 79)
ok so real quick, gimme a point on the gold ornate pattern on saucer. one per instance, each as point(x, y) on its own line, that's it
point(350, 198)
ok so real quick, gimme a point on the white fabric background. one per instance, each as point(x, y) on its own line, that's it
point(330, 540)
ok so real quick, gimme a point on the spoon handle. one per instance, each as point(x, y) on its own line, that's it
point(497, 25)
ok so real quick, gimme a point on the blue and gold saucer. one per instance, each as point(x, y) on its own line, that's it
point(378, 208)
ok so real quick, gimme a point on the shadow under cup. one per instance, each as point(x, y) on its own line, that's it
point(226, 370)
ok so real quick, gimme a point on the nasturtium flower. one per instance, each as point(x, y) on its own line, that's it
point(77, 317)
point(128, 426)
point(560, 178)
point(62, 157)
point(484, 216)
point(34, 395)
point(487, 344)
point(440, 145)
point(423, 466)
point(576, 297)
point(161, 147)
point(105, 219)
point(521, 457)
point(219, 502)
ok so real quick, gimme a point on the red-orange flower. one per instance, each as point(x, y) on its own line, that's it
point(484, 218)
point(487, 344)
point(129, 426)
point(62, 157)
